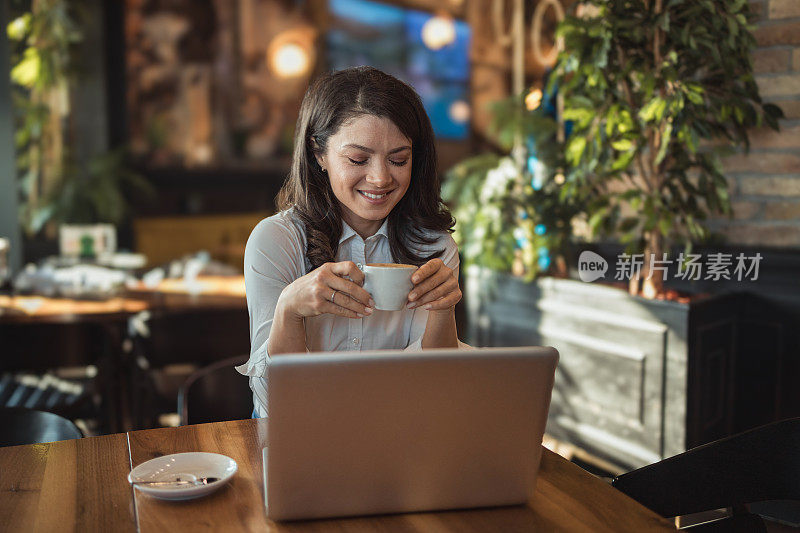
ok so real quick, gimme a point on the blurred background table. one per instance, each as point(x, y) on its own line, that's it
point(125, 342)
point(40, 309)
point(223, 286)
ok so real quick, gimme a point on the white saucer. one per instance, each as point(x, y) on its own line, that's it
point(186, 466)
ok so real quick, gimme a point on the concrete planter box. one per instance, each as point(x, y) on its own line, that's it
point(638, 380)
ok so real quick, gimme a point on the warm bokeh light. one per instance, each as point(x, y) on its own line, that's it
point(459, 111)
point(559, 178)
point(533, 99)
point(438, 32)
point(290, 60)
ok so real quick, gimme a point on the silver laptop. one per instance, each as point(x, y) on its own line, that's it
point(392, 431)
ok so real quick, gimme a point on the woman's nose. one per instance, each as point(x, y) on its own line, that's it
point(379, 175)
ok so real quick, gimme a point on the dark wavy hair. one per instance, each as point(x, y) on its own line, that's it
point(332, 100)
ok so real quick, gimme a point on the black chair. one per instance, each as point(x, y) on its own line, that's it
point(20, 425)
point(762, 464)
point(215, 393)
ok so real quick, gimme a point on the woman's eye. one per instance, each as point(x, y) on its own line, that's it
point(357, 162)
point(398, 163)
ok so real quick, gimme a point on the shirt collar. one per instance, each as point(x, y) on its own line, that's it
point(348, 232)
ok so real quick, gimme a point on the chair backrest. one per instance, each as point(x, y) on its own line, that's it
point(215, 393)
point(757, 465)
point(21, 425)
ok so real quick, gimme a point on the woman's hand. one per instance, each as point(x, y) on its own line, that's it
point(326, 290)
point(435, 287)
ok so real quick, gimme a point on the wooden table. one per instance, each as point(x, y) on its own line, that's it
point(82, 486)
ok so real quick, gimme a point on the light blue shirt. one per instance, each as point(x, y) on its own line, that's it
point(275, 256)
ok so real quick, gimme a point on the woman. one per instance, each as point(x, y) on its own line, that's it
point(362, 189)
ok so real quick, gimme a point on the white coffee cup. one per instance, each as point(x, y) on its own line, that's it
point(389, 284)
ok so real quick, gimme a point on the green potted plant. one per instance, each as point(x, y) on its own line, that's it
point(645, 99)
point(655, 89)
point(97, 191)
point(41, 41)
point(56, 187)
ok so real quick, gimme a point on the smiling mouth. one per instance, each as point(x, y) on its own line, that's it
point(372, 196)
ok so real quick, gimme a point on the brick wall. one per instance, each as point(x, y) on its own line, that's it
point(765, 185)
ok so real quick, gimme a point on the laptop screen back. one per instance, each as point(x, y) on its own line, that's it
point(381, 432)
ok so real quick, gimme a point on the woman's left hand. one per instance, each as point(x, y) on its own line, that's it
point(435, 287)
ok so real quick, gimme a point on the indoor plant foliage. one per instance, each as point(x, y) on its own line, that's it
point(645, 82)
point(41, 68)
point(507, 204)
point(54, 186)
point(97, 191)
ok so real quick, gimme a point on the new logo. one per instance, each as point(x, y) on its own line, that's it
point(591, 266)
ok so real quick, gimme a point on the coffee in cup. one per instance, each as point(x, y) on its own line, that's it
point(389, 284)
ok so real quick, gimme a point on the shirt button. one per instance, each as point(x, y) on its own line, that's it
point(356, 341)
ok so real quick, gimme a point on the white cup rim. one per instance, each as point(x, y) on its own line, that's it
point(383, 265)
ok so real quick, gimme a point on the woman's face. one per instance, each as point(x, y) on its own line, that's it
point(369, 165)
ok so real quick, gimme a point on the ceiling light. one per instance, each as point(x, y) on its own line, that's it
point(438, 32)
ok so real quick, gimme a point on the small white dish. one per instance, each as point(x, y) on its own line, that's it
point(188, 466)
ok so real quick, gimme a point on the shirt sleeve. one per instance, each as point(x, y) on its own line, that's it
point(420, 318)
point(273, 258)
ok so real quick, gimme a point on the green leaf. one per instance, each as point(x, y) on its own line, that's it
point(19, 28)
point(575, 149)
point(694, 97)
point(596, 219)
point(612, 120)
point(722, 194)
point(582, 116)
point(665, 140)
point(773, 111)
point(40, 217)
point(648, 85)
point(622, 145)
point(665, 226)
point(739, 114)
point(654, 110)
point(623, 161)
point(664, 23)
point(28, 70)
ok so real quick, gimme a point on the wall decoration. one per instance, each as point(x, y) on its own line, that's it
point(215, 83)
point(391, 38)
